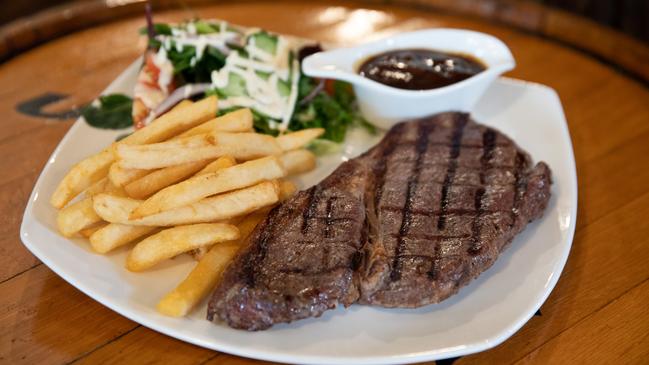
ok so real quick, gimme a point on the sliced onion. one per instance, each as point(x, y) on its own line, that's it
point(179, 95)
point(148, 14)
point(316, 90)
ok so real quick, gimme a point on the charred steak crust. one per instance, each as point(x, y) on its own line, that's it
point(406, 224)
point(302, 260)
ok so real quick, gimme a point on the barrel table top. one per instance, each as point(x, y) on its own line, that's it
point(597, 313)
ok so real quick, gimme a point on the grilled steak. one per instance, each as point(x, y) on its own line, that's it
point(404, 225)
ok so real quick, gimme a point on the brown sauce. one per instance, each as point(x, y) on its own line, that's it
point(419, 69)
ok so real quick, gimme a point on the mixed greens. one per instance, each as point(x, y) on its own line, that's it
point(332, 107)
point(186, 70)
point(109, 112)
point(246, 68)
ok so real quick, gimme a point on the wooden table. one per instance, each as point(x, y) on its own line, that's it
point(597, 313)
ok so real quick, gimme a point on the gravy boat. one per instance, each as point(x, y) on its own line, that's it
point(383, 105)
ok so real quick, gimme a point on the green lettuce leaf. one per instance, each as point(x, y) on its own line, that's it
point(113, 112)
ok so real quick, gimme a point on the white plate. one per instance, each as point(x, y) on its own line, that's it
point(481, 316)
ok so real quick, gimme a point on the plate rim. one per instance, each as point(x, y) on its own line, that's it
point(29, 221)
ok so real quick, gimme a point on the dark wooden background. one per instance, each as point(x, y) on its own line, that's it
point(628, 16)
point(626, 53)
point(597, 313)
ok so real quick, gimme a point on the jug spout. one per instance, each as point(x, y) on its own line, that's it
point(338, 64)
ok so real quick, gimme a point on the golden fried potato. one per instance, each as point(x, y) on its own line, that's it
point(241, 146)
point(87, 232)
point(298, 161)
point(179, 119)
point(81, 176)
point(287, 189)
point(120, 176)
point(200, 281)
point(201, 186)
point(247, 146)
point(149, 184)
point(217, 208)
point(76, 217)
point(299, 139)
point(98, 187)
point(174, 241)
point(114, 209)
point(165, 154)
point(218, 164)
point(207, 272)
point(237, 121)
point(95, 167)
point(114, 235)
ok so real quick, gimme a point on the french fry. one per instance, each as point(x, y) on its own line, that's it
point(114, 209)
point(286, 189)
point(298, 161)
point(200, 281)
point(173, 152)
point(113, 235)
point(218, 164)
point(76, 217)
point(115, 190)
point(174, 241)
point(241, 146)
point(172, 157)
point(207, 272)
point(299, 139)
point(201, 186)
point(246, 224)
point(179, 119)
point(176, 186)
point(149, 184)
point(237, 121)
point(81, 176)
point(247, 146)
point(120, 176)
point(98, 187)
point(250, 222)
point(186, 103)
point(200, 140)
point(141, 110)
point(183, 104)
point(104, 186)
point(95, 167)
point(87, 232)
point(220, 207)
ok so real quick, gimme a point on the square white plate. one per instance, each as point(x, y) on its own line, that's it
point(481, 316)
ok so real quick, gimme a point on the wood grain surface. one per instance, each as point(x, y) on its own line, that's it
point(597, 313)
point(612, 46)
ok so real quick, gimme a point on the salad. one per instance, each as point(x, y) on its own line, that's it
point(245, 67)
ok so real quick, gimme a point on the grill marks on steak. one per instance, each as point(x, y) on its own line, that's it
point(420, 148)
point(488, 144)
point(303, 259)
point(406, 224)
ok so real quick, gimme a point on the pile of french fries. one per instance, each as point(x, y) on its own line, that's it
point(186, 183)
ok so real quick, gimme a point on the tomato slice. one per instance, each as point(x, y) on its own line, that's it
point(329, 86)
point(151, 67)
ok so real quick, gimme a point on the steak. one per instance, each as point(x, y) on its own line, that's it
point(404, 225)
